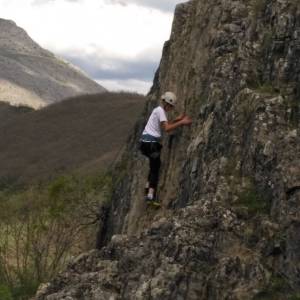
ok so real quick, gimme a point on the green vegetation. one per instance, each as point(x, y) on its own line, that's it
point(253, 201)
point(277, 288)
point(42, 227)
point(250, 235)
point(9, 184)
point(121, 168)
point(267, 41)
point(267, 88)
point(23, 109)
point(293, 108)
point(5, 293)
point(248, 195)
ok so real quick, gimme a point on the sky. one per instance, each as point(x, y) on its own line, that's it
point(118, 43)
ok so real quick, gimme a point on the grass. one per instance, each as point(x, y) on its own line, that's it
point(267, 88)
point(5, 293)
point(267, 41)
point(246, 190)
point(277, 288)
point(294, 115)
point(253, 201)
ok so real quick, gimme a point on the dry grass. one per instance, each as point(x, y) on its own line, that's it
point(79, 133)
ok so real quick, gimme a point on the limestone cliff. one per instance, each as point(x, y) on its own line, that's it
point(33, 76)
point(229, 226)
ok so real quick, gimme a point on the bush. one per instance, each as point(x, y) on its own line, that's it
point(5, 293)
point(252, 200)
point(277, 288)
point(42, 227)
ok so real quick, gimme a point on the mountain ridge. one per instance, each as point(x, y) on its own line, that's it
point(80, 134)
point(33, 76)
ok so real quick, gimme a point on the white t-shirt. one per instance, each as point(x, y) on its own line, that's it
point(153, 125)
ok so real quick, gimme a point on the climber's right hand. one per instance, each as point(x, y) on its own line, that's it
point(186, 120)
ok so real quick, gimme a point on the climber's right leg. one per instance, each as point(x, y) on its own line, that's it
point(152, 151)
point(153, 177)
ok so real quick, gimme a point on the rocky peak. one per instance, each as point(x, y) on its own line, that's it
point(230, 186)
point(15, 39)
point(33, 76)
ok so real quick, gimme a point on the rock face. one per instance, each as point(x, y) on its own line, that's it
point(230, 186)
point(33, 76)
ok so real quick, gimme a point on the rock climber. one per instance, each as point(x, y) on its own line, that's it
point(150, 142)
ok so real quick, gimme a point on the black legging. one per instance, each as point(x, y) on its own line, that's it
point(152, 151)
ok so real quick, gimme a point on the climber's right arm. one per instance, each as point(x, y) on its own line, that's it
point(171, 126)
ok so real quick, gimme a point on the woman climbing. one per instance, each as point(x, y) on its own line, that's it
point(151, 137)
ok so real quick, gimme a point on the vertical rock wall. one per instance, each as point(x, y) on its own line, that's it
point(235, 67)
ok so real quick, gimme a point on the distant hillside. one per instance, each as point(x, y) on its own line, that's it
point(34, 76)
point(9, 112)
point(84, 133)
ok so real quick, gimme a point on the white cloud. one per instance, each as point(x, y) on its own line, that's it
point(164, 5)
point(131, 85)
point(87, 24)
point(85, 28)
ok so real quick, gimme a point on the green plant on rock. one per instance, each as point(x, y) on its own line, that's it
point(293, 108)
point(23, 109)
point(267, 88)
point(250, 235)
point(277, 288)
point(9, 184)
point(267, 41)
point(5, 293)
point(120, 170)
point(253, 201)
point(294, 297)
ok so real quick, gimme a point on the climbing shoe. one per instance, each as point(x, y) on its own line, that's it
point(148, 198)
point(154, 203)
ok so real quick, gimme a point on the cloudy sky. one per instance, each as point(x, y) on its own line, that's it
point(117, 42)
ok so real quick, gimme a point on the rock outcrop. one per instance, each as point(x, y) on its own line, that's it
point(230, 186)
point(30, 75)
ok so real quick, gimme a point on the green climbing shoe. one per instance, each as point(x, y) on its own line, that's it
point(154, 204)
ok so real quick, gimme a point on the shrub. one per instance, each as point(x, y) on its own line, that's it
point(5, 293)
point(277, 288)
point(42, 227)
point(253, 201)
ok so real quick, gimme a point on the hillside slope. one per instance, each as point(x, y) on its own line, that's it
point(33, 76)
point(84, 133)
point(229, 226)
